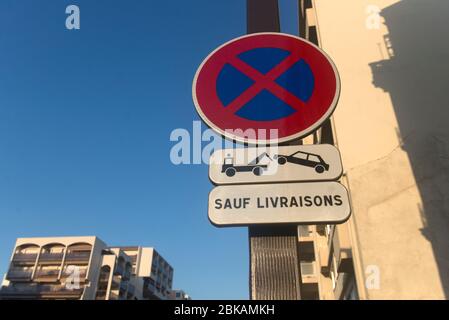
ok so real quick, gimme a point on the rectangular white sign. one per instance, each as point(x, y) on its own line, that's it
point(294, 203)
point(321, 162)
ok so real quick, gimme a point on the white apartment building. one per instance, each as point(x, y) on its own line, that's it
point(85, 268)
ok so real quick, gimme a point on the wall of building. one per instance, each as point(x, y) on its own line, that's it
point(391, 127)
point(94, 269)
point(145, 262)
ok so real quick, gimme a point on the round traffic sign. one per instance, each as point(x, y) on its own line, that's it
point(266, 81)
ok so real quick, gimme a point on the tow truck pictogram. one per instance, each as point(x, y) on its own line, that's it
point(230, 169)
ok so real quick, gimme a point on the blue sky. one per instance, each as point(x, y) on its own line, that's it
point(85, 121)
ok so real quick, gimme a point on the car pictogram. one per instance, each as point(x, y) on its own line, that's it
point(305, 159)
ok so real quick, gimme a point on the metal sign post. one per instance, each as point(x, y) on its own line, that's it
point(274, 262)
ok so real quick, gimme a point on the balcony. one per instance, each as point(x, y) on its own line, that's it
point(103, 286)
point(19, 275)
point(151, 294)
point(308, 272)
point(33, 291)
point(62, 289)
point(131, 289)
point(103, 277)
point(51, 257)
point(82, 274)
point(25, 257)
point(119, 270)
point(117, 294)
point(116, 280)
point(305, 233)
point(78, 256)
point(113, 296)
point(124, 285)
point(127, 274)
point(47, 275)
point(101, 295)
point(122, 294)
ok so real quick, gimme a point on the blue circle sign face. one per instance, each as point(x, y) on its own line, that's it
point(265, 106)
point(263, 82)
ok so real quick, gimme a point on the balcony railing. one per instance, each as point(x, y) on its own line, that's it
point(307, 269)
point(122, 294)
point(45, 274)
point(82, 256)
point(113, 296)
point(119, 270)
point(151, 294)
point(37, 290)
point(102, 286)
point(127, 274)
point(81, 274)
point(50, 256)
point(116, 280)
point(101, 295)
point(19, 275)
point(124, 285)
point(58, 289)
point(25, 257)
point(131, 289)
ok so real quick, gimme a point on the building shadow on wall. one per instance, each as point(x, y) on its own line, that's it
point(416, 75)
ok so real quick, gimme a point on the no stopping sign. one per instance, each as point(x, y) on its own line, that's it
point(266, 81)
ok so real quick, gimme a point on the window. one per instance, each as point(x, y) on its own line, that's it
point(304, 231)
point(314, 158)
point(153, 270)
point(307, 268)
point(310, 291)
point(306, 251)
point(300, 155)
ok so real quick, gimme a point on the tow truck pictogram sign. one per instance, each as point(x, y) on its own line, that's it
point(275, 164)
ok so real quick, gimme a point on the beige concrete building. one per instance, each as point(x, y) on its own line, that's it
point(85, 268)
point(391, 126)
